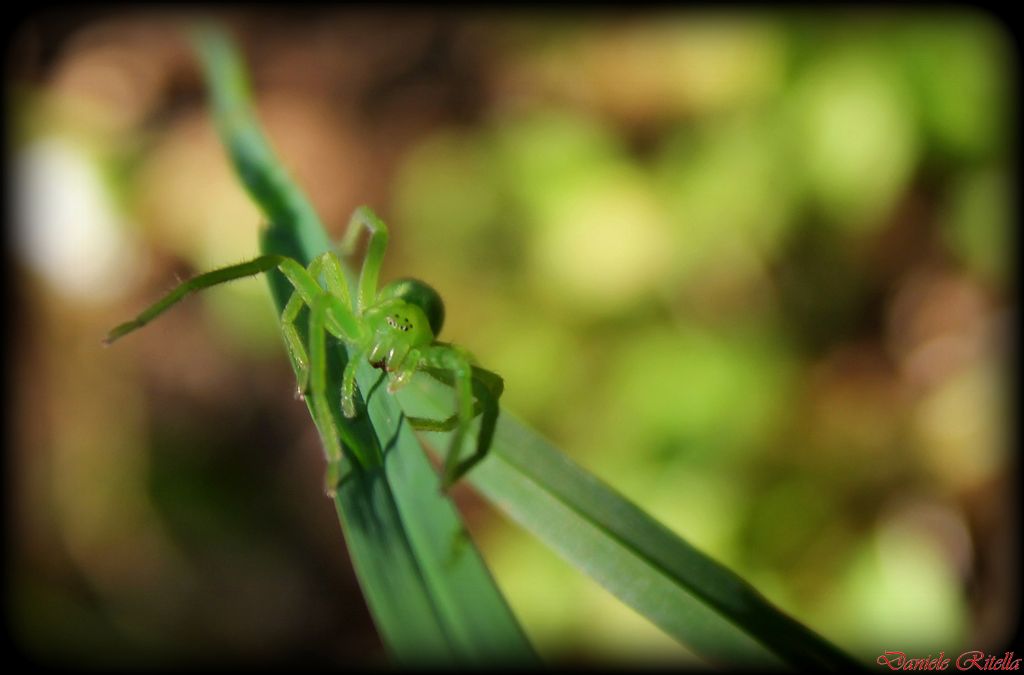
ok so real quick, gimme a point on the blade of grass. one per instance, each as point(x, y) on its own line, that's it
point(474, 613)
point(431, 596)
point(687, 594)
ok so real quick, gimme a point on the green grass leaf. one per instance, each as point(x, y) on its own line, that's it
point(431, 596)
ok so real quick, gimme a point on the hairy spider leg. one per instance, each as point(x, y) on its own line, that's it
point(487, 389)
point(305, 285)
point(370, 272)
point(250, 268)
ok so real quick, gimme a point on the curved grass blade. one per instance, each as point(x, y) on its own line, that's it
point(431, 596)
point(687, 594)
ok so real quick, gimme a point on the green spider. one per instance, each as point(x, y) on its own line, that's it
point(394, 328)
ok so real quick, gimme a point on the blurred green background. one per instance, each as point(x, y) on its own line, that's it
point(750, 269)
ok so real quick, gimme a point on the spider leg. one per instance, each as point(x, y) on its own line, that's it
point(292, 341)
point(339, 321)
point(319, 326)
point(335, 277)
point(339, 317)
point(456, 361)
point(487, 389)
point(331, 313)
point(341, 306)
point(364, 217)
point(447, 424)
point(263, 263)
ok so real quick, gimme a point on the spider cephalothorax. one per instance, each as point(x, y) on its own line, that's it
point(395, 329)
point(407, 315)
point(420, 294)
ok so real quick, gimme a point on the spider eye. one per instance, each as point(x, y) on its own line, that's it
point(417, 293)
point(402, 323)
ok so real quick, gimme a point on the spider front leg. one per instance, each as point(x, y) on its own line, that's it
point(370, 272)
point(330, 311)
point(264, 263)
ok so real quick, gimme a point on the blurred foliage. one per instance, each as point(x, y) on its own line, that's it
point(753, 270)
